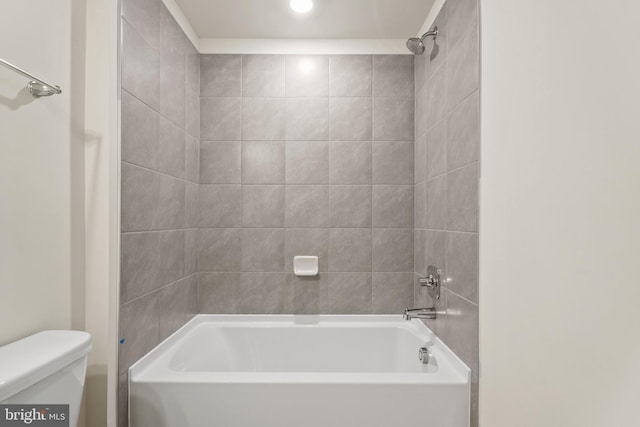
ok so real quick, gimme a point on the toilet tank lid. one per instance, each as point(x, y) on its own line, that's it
point(31, 359)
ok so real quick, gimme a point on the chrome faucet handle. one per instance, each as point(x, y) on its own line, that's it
point(432, 282)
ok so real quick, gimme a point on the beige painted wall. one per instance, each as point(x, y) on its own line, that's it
point(560, 213)
point(41, 173)
point(56, 177)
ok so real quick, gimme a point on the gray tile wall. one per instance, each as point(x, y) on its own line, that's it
point(160, 123)
point(306, 155)
point(447, 141)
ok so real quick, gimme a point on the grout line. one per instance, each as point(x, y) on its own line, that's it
point(450, 171)
point(373, 138)
point(447, 231)
point(158, 289)
point(182, 128)
point(158, 172)
point(123, 233)
point(459, 296)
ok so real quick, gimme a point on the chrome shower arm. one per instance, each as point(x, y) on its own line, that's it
point(431, 33)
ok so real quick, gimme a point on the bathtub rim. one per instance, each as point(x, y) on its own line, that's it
point(463, 373)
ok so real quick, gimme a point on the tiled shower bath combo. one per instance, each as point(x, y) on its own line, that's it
point(242, 162)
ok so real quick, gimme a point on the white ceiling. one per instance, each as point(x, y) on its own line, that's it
point(329, 19)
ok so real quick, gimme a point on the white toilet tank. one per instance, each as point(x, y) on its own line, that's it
point(47, 368)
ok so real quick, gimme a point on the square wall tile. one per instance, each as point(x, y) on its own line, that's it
point(420, 205)
point(437, 150)
point(172, 38)
point(151, 201)
point(350, 119)
point(218, 292)
point(263, 162)
point(419, 259)
point(420, 113)
point(263, 119)
point(220, 75)
point(221, 119)
point(307, 162)
point(350, 206)
point(263, 76)
point(220, 162)
point(307, 206)
point(307, 76)
point(461, 333)
point(150, 261)
point(420, 159)
point(463, 17)
point(171, 149)
point(139, 135)
point(263, 293)
point(263, 250)
point(192, 206)
point(393, 206)
point(192, 91)
point(219, 249)
point(462, 199)
point(436, 213)
point(350, 163)
point(220, 206)
point(138, 327)
point(393, 119)
point(392, 292)
point(436, 97)
point(435, 249)
point(350, 76)
point(263, 205)
point(463, 138)
point(463, 65)
point(191, 253)
point(307, 120)
point(393, 162)
point(393, 76)
point(349, 293)
point(191, 158)
point(462, 264)
point(140, 67)
point(350, 249)
point(393, 250)
point(174, 304)
point(144, 16)
point(172, 69)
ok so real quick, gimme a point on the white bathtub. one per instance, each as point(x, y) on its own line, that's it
point(306, 371)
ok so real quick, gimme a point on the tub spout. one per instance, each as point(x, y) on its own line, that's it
point(420, 313)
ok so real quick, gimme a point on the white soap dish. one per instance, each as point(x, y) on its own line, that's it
point(305, 265)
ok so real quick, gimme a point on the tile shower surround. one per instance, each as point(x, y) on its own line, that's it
point(289, 162)
point(159, 173)
point(447, 140)
point(306, 155)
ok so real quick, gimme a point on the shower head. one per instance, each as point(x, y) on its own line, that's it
point(416, 45)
